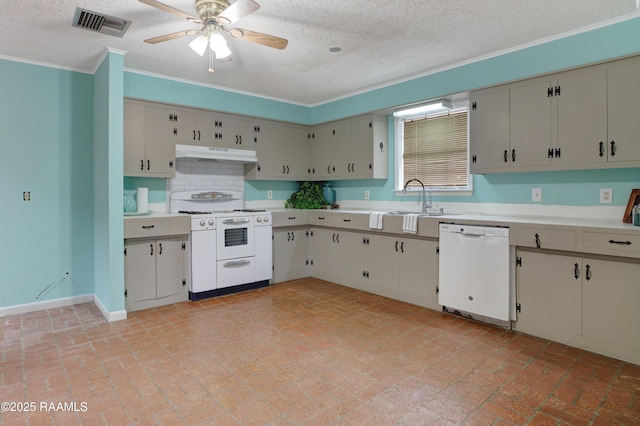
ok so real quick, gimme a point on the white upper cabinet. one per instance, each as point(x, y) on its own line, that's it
point(623, 144)
point(579, 119)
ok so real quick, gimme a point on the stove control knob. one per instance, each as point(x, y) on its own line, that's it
point(266, 219)
point(202, 222)
point(259, 219)
point(211, 222)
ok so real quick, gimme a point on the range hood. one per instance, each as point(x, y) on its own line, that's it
point(212, 153)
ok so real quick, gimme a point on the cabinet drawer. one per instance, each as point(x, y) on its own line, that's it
point(156, 227)
point(610, 243)
point(289, 218)
point(545, 238)
point(321, 218)
point(351, 221)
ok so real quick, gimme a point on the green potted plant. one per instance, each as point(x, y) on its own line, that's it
point(309, 196)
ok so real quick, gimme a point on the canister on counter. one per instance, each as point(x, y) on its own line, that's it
point(636, 215)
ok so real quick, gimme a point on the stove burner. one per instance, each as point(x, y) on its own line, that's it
point(250, 210)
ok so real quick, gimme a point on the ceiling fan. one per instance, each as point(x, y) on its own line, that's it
point(215, 16)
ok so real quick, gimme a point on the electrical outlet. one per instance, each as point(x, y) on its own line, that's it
point(606, 195)
point(536, 195)
point(269, 194)
point(366, 194)
point(26, 195)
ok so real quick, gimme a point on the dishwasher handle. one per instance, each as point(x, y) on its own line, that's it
point(474, 234)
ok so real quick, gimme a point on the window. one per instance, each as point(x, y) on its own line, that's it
point(434, 149)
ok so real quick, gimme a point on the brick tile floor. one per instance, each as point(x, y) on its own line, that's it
point(302, 352)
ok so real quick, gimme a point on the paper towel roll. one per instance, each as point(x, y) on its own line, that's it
point(143, 200)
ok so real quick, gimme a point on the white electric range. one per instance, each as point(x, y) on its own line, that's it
point(230, 245)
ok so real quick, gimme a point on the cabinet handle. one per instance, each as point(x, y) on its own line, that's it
point(148, 226)
point(283, 169)
point(506, 155)
point(550, 153)
point(288, 236)
point(329, 169)
point(287, 169)
point(159, 248)
point(587, 274)
point(353, 167)
point(624, 243)
point(346, 220)
point(338, 238)
point(349, 167)
point(396, 246)
point(513, 155)
point(293, 236)
point(291, 218)
point(576, 271)
point(151, 247)
point(148, 165)
point(320, 218)
point(402, 247)
point(194, 135)
point(538, 245)
point(198, 134)
point(601, 149)
point(613, 148)
point(141, 164)
point(334, 237)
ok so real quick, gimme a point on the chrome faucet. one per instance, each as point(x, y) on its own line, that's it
point(425, 205)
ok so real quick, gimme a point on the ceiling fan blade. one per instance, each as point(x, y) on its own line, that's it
point(172, 10)
point(237, 11)
point(259, 38)
point(171, 36)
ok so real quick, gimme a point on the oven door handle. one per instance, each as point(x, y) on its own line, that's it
point(236, 221)
point(236, 263)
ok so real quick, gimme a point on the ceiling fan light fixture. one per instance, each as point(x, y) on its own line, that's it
point(218, 44)
point(199, 44)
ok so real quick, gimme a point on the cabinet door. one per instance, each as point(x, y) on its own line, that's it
point(183, 124)
point(530, 125)
point(160, 151)
point(340, 148)
point(140, 270)
point(229, 132)
point(170, 267)
point(350, 255)
point(490, 130)
point(134, 139)
point(623, 105)
point(267, 140)
point(320, 149)
point(582, 116)
point(611, 292)
point(204, 132)
point(419, 268)
point(549, 291)
point(297, 152)
point(383, 264)
point(322, 252)
point(362, 147)
point(290, 254)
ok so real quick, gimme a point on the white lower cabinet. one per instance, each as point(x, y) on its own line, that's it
point(403, 268)
point(154, 272)
point(581, 301)
point(337, 255)
point(290, 254)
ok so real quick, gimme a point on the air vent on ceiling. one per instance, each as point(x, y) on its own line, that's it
point(100, 22)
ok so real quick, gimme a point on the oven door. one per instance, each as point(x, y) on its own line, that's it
point(235, 237)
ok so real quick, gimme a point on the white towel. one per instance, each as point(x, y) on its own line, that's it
point(375, 220)
point(410, 224)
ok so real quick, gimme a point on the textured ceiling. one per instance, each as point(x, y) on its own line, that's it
point(382, 41)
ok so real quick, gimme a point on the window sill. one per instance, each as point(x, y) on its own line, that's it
point(435, 192)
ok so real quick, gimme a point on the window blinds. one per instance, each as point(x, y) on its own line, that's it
point(435, 150)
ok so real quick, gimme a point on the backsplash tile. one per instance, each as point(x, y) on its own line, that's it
point(193, 174)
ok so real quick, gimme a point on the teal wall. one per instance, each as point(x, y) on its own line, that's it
point(46, 132)
point(108, 182)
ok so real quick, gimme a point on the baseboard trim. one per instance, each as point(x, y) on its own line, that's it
point(45, 304)
point(108, 315)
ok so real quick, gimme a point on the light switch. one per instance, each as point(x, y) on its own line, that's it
point(536, 195)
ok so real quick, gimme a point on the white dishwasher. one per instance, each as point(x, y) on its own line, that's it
point(475, 271)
